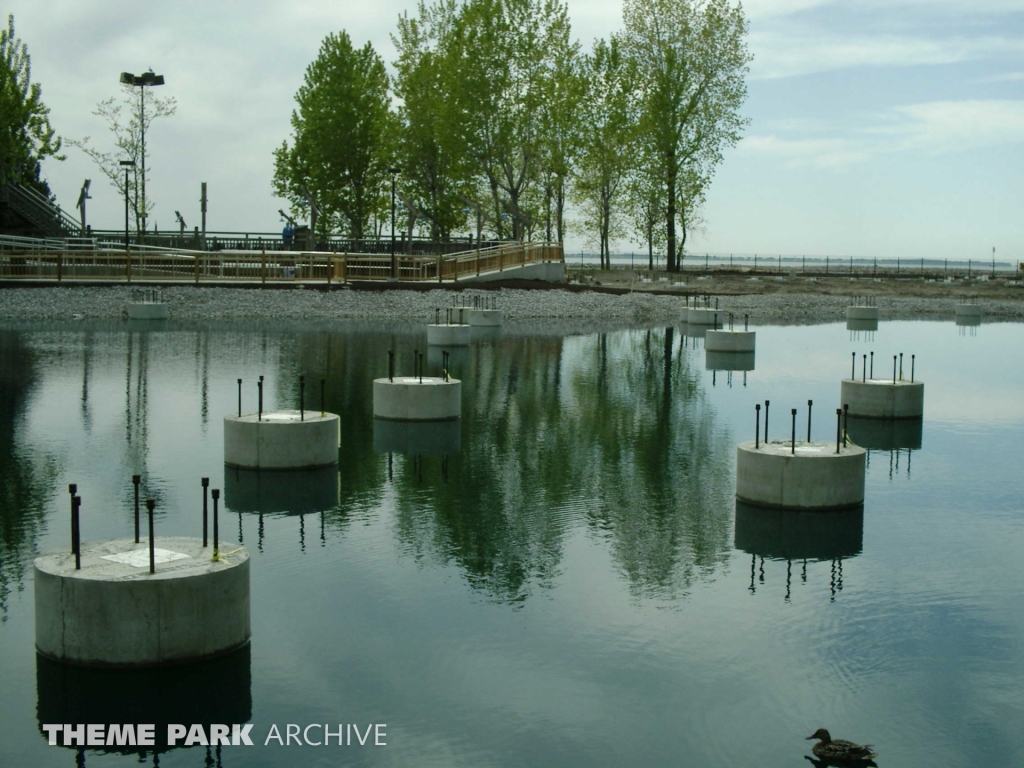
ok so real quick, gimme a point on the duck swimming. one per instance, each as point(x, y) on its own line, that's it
point(839, 750)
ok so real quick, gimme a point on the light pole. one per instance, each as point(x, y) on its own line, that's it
point(126, 164)
point(141, 81)
point(394, 264)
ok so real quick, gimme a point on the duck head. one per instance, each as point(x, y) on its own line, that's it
point(821, 734)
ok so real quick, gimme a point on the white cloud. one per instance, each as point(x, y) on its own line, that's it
point(953, 126)
point(835, 153)
point(787, 55)
point(938, 127)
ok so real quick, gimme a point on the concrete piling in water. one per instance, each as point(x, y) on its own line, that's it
point(896, 398)
point(418, 397)
point(799, 475)
point(282, 439)
point(116, 603)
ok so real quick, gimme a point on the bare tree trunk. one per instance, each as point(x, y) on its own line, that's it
point(670, 216)
point(560, 208)
point(547, 211)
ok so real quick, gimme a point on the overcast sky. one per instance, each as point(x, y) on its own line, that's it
point(878, 128)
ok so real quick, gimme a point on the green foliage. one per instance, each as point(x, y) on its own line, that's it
point(499, 119)
point(435, 164)
point(692, 59)
point(607, 133)
point(26, 136)
point(501, 59)
point(343, 137)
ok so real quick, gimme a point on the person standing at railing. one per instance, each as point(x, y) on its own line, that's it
point(287, 235)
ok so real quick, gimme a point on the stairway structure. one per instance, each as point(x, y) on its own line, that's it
point(26, 213)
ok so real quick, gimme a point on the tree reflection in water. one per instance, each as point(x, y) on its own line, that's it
point(611, 431)
point(24, 479)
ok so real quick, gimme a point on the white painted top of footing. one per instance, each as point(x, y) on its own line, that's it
point(139, 558)
point(425, 381)
point(125, 559)
point(286, 416)
point(886, 382)
point(813, 449)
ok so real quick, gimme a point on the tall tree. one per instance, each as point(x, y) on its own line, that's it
point(607, 130)
point(26, 136)
point(692, 58)
point(128, 121)
point(432, 152)
point(645, 199)
point(505, 53)
point(561, 113)
point(342, 140)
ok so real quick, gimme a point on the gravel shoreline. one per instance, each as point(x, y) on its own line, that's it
point(186, 302)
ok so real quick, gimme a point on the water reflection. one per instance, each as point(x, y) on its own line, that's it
point(300, 493)
point(794, 535)
point(862, 329)
point(293, 492)
point(967, 326)
point(213, 691)
point(729, 362)
point(26, 479)
point(417, 438)
point(885, 434)
point(608, 427)
point(897, 437)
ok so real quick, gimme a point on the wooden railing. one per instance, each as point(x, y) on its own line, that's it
point(150, 264)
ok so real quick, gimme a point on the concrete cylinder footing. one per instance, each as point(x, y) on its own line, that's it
point(298, 491)
point(282, 440)
point(883, 399)
point(814, 477)
point(417, 438)
point(968, 310)
point(728, 361)
point(217, 690)
point(705, 316)
point(861, 325)
point(449, 335)
point(410, 398)
point(862, 313)
point(794, 534)
point(485, 317)
point(113, 612)
point(146, 311)
point(730, 341)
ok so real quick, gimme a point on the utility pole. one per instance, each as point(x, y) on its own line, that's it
point(202, 208)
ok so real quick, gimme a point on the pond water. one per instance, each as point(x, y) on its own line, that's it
point(565, 578)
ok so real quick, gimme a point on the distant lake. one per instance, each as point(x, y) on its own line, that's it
point(561, 578)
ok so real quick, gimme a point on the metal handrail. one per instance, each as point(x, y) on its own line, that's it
point(151, 263)
point(37, 208)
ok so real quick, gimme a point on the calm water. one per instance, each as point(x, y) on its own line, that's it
point(572, 584)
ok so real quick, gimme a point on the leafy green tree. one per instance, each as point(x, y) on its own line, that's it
point(691, 57)
point(26, 136)
point(504, 54)
point(128, 119)
point(645, 200)
point(432, 153)
point(342, 140)
point(607, 130)
point(561, 114)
